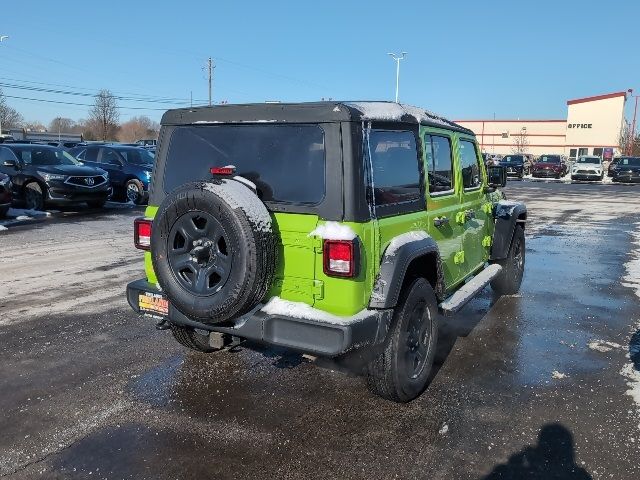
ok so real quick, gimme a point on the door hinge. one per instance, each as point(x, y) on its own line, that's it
point(461, 218)
point(318, 289)
point(458, 258)
point(487, 241)
point(487, 208)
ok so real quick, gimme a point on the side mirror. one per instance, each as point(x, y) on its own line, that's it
point(496, 176)
point(10, 163)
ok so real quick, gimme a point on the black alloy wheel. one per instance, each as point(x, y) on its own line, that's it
point(199, 253)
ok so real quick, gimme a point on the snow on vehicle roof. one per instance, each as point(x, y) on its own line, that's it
point(392, 111)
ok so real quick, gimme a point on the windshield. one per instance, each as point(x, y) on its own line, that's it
point(39, 155)
point(589, 160)
point(137, 156)
point(513, 159)
point(549, 159)
point(630, 161)
point(285, 162)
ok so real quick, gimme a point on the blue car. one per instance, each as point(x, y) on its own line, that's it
point(129, 168)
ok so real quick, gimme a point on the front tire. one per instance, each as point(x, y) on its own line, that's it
point(34, 196)
point(134, 191)
point(509, 280)
point(401, 371)
point(191, 338)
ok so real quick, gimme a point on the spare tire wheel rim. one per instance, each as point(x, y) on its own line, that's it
point(199, 253)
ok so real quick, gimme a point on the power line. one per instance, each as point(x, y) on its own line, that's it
point(81, 104)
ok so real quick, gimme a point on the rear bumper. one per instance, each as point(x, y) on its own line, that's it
point(311, 336)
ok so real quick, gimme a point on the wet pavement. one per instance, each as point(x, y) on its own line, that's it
point(525, 386)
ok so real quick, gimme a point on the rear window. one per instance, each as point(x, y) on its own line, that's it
point(286, 162)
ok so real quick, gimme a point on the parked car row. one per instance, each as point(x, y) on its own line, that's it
point(39, 175)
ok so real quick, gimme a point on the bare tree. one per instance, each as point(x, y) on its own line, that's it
point(137, 128)
point(34, 126)
point(104, 114)
point(520, 141)
point(62, 124)
point(627, 144)
point(9, 117)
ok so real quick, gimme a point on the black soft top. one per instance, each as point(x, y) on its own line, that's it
point(309, 112)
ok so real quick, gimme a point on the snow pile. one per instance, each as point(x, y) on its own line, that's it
point(3, 228)
point(403, 239)
point(632, 280)
point(602, 346)
point(237, 195)
point(395, 111)
point(333, 231)
point(278, 306)
point(557, 375)
point(632, 277)
point(24, 214)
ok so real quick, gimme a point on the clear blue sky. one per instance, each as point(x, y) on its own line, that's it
point(467, 59)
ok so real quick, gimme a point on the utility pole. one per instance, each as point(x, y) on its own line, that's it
point(397, 60)
point(2, 39)
point(58, 128)
point(632, 134)
point(210, 70)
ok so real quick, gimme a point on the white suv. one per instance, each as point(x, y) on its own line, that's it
point(587, 167)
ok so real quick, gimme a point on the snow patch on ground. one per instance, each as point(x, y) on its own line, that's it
point(238, 195)
point(333, 231)
point(557, 375)
point(278, 306)
point(3, 228)
point(444, 429)
point(403, 239)
point(603, 346)
point(24, 214)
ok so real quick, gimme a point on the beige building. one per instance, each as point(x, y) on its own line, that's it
point(592, 127)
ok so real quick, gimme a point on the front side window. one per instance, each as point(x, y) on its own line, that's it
point(469, 165)
point(439, 163)
point(44, 156)
point(110, 156)
point(6, 154)
point(394, 159)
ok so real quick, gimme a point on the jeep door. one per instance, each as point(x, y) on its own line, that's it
point(397, 180)
point(443, 201)
point(473, 216)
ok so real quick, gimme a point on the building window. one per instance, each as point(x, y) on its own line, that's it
point(598, 152)
point(572, 153)
point(583, 151)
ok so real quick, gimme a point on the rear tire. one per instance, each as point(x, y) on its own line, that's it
point(509, 280)
point(34, 196)
point(189, 337)
point(401, 371)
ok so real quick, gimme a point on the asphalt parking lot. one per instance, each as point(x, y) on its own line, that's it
point(535, 385)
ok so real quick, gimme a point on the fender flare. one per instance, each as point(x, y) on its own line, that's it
point(394, 265)
point(507, 215)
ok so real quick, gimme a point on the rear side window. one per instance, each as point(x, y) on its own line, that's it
point(469, 165)
point(439, 163)
point(394, 159)
point(285, 162)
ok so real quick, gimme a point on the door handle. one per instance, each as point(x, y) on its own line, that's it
point(440, 221)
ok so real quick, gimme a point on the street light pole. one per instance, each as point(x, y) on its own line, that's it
point(632, 134)
point(2, 39)
point(397, 60)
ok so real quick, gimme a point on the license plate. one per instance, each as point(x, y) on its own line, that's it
point(153, 304)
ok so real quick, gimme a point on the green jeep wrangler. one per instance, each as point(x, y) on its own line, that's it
point(328, 228)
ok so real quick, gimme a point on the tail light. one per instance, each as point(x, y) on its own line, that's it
point(142, 233)
point(223, 171)
point(339, 258)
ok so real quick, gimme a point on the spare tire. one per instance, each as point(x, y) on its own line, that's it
point(213, 249)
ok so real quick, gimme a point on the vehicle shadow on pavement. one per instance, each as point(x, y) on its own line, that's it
point(551, 459)
point(634, 350)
